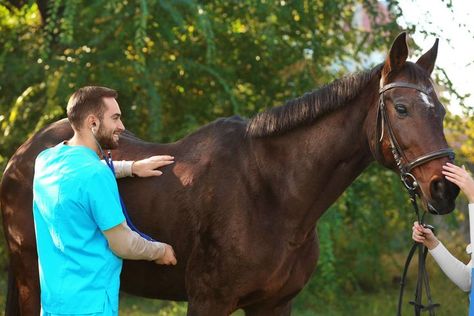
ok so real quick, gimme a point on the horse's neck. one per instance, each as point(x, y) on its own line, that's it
point(308, 169)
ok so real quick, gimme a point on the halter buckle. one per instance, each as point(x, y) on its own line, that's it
point(405, 177)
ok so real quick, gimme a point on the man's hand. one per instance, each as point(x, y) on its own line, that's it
point(147, 167)
point(168, 257)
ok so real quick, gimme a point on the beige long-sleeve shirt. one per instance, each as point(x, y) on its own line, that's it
point(123, 168)
point(127, 244)
point(455, 270)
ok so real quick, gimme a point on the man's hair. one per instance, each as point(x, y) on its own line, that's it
point(88, 100)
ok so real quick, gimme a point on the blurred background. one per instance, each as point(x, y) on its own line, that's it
point(179, 65)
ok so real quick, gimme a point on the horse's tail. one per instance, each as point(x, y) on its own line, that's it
point(12, 305)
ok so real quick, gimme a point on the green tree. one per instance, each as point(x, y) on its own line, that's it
point(177, 64)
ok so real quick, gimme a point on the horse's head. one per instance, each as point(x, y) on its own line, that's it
point(409, 134)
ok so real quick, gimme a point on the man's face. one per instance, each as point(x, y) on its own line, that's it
point(110, 126)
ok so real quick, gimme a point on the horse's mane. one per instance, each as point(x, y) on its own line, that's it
point(311, 106)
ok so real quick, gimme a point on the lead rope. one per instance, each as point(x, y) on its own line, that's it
point(422, 278)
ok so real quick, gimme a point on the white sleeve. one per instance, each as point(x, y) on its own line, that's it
point(123, 168)
point(458, 272)
point(127, 244)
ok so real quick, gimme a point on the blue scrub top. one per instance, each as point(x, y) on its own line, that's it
point(75, 198)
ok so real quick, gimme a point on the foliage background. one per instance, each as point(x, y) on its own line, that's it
point(181, 64)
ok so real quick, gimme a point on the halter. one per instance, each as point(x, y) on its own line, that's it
point(411, 185)
point(397, 152)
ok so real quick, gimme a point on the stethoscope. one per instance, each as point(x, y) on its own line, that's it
point(108, 160)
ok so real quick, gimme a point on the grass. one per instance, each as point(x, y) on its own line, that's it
point(384, 302)
point(136, 306)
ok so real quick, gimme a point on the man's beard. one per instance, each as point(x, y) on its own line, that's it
point(106, 140)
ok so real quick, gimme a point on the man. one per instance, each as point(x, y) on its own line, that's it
point(81, 232)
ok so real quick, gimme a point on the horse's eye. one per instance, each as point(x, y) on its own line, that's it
point(401, 109)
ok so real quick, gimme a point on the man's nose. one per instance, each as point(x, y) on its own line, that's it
point(121, 127)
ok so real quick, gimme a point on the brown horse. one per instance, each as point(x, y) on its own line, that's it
point(241, 203)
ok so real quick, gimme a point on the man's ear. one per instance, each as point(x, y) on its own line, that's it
point(92, 122)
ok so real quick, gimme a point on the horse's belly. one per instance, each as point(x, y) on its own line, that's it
point(147, 279)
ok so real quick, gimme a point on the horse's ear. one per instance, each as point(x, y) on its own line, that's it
point(398, 54)
point(427, 61)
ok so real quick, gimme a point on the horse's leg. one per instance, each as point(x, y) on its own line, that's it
point(25, 271)
point(283, 309)
point(209, 292)
point(23, 265)
point(18, 225)
point(302, 267)
point(12, 304)
point(209, 307)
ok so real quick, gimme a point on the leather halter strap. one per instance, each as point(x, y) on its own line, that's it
point(401, 84)
point(447, 152)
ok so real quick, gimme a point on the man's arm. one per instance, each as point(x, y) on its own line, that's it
point(127, 244)
point(142, 168)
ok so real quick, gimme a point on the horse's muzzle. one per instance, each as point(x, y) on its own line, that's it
point(443, 195)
